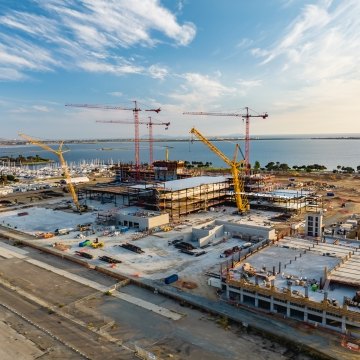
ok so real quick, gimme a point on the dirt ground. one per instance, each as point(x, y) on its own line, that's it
point(346, 189)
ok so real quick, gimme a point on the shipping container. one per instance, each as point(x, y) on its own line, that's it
point(85, 243)
point(170, 279)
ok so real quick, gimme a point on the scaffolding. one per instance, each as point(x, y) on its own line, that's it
point(186, 200)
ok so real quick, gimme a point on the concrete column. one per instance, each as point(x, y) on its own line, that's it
point(306, 292)
point(288, 309)
point(323, 320)
point(305, 314)
point(241, 295)
point(343, 325)
point(325, 296)
point(227, 292)
point(256, 300)
point(272, 304)
point(289, 288)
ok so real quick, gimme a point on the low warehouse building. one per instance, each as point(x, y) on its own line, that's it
point(143, 220)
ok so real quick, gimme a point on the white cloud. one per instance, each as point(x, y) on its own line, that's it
point(257, 52)
point(9, 74)
point(116, 93)
point(244, 43)
point(73, 31)
point(322, 42)
point(116, 69)
point(315, 64)
point(249, 83)
point(41, 108)
point(199, 90)
point(158, 72)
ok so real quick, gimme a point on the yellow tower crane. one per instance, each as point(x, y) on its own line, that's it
point(242, 202)
point(59, 152)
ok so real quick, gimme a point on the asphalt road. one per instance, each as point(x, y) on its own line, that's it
point(83, 343)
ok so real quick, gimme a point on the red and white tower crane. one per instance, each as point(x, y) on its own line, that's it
point(149, 124)
point(135, 111)
point(245, 116)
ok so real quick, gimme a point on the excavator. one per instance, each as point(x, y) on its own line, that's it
point(242, 202)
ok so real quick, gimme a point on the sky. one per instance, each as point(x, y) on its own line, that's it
point(297, 60)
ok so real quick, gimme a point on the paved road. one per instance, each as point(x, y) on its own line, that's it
point(322, 341)
point(85, 343)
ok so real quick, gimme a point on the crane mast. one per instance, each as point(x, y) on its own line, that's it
point(135, 111)
point(242, 202)
point(59, 152)
point(245, 116)
point(150, 124)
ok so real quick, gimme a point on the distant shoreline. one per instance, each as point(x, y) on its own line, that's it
point(211, 138)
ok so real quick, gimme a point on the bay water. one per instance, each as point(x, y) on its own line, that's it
point(292, 151)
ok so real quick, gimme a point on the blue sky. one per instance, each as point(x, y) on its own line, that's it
point(297, 60)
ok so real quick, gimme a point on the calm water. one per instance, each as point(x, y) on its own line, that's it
point(328, 152)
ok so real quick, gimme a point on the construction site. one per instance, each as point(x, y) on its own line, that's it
point(244, 240)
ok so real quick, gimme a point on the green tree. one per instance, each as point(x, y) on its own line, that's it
point(270, 166)
point(257, 166)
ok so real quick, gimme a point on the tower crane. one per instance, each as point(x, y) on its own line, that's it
point(59, 152)
point(149, 124)
point(242, 202)
point(245, 116)
point(135, 111)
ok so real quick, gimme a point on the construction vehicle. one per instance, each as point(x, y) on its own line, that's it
point(166, 228)
point(97, 244)
point(242, 202)
point(83, 227)
point(59, 152)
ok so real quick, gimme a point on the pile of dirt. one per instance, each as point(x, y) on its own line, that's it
point(187, 284)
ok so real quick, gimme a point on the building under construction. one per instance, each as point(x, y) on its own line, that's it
point(179, 197)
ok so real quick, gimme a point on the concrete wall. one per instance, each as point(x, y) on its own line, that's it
point(207, 232)
point(250, 230)
point(313, 225)
point(216, 229)
point(143, 222)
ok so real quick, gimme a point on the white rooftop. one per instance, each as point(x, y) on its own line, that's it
point(191, 182)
